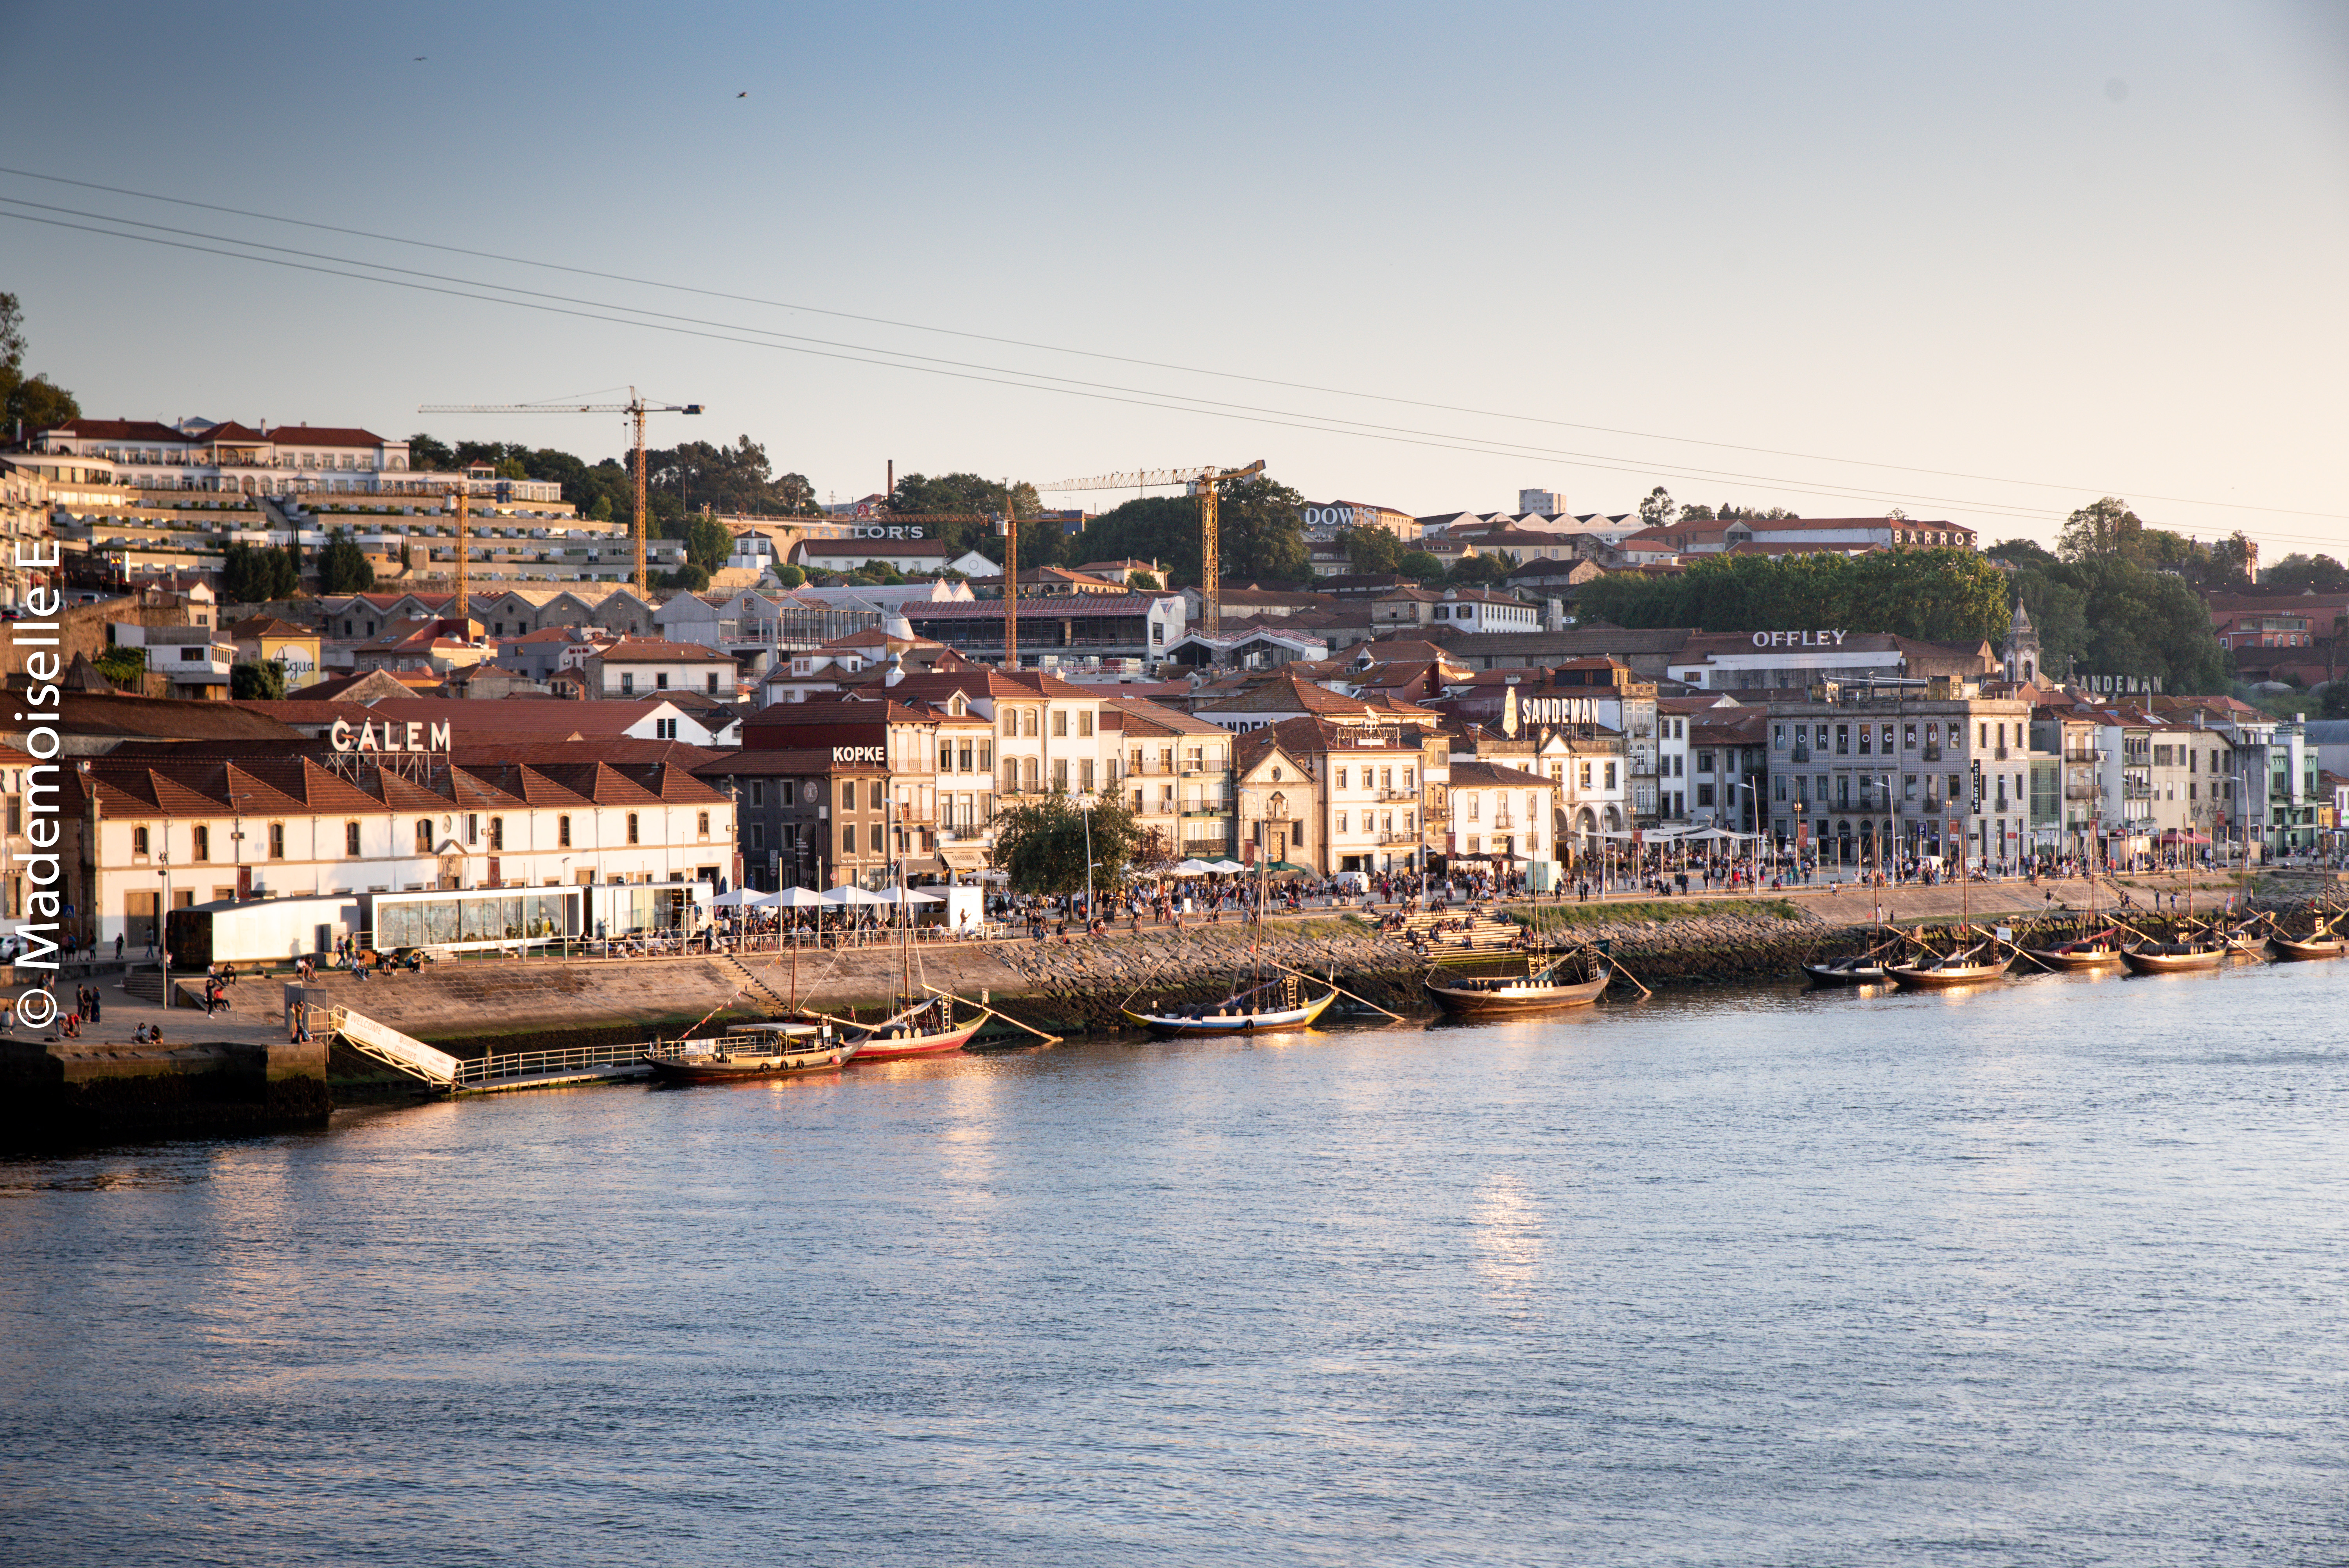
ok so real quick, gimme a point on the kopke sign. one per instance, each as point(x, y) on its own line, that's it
point(874, 754)
point(1798, 640)
point(900, 530)
point(392, 736)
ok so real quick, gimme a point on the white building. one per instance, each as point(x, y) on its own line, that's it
point(291, 460)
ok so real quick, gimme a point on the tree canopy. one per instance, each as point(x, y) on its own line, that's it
point(1041, 846)
point(1261, 534)
point(256, 573)
point(264, 682)
point(2106, 530)
point(342, 566)
point(2105, 613)
point(1936, 595)
point(1371, 549)
point(2299, 573)
point(33, 402)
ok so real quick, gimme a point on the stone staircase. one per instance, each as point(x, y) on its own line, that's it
point(1483, 933)
point(773, 998)
point(146, 984)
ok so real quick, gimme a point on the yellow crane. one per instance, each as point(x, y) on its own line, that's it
point(635, 408)
point(1203, 482)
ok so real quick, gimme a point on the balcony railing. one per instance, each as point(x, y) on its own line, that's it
point(2080, 792)
point(2083, 754)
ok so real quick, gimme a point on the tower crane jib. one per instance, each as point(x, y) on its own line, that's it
point(1202, 482)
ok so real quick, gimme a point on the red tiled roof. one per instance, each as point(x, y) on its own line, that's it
point(323, 435)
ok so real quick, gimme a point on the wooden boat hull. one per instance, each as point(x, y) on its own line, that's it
point(875, 1048)
point(737, 1069)
point(1516, 1000)
point(2141, 962)
point(1825, 974)
point(2292, 952)
point(1947, 978)
point(2062, 958)
point(1168, 1027)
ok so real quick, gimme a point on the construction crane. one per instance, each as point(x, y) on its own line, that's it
point(1203, 482)
point(635, 408)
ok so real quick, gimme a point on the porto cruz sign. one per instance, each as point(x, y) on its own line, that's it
point(1798, 639)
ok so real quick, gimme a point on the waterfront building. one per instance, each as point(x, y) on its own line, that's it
point(1475, 610)
point(1910, 768)
point(1178, 779)
point(1500, 815)
point(243, 823)
point(1337, 796)
point(1709, 536)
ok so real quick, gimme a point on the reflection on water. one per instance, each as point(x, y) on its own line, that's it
point(2038, 1272)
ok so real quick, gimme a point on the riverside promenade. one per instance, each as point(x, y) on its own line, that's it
point(237, 1066)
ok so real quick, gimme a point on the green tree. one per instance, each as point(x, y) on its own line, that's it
point(1936, 595)
point(708, 544)
point(1656, 509)
point(260, 682)
point(2105, 527)
point(1261, 531)
point(342, 566)
point(1370, 549)
point(35, 403)
point(1477, 571)
point(1143, 582)
point(1421, 566)
point(428, 454)
point(125, 667)
point(2297, 573)
point(600, 509)
point(689, 578)
point(982, 499)
point(789, 577)
point(1041, 846)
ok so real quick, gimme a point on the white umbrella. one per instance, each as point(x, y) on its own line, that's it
point(891, 896)
point(1225, 866)
point(1192, 868)
point(799, 898)
point(737, 898)
point(852, 894)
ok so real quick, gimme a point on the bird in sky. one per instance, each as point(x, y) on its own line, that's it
point(420, 57)
point(742, 95)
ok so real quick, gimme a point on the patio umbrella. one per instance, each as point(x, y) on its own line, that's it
point(853, 894)
point(892, 895)
point(1192, 868)
point(737, 898)
point(799, 898)
point(1225, 866)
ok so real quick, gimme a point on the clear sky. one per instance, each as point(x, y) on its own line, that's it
point(2098, 245)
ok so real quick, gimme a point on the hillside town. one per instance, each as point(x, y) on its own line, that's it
point(858, 694)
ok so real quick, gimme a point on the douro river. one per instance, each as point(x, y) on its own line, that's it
point(2050, 1272)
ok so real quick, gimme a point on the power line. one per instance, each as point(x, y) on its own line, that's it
point(593, 310)
point(1097, 354)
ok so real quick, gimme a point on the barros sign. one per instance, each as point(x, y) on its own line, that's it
point(415, 736)
point(1798, 640)
point(877, 755)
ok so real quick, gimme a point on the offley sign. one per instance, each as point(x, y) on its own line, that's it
point(415, 736)
point(1798, 639)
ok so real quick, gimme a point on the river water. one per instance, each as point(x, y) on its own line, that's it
point(2052, 1273)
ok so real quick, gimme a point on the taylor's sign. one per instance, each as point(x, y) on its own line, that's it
point(1798, 640)
point(893, 531)
point(391, 735)
point(877, 755)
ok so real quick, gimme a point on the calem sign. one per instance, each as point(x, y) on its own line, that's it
point(1798, 640)
point(392, 735)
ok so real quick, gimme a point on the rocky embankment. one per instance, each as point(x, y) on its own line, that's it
point(1082, 984)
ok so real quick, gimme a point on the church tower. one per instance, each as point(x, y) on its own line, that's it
point(2020, 653)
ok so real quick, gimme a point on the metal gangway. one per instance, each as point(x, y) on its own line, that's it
point(515, 1070)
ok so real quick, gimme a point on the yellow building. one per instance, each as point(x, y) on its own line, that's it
point(265, 637)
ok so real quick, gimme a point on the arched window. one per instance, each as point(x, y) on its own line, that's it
point(497, 835)
point(1277, 808)
point(1028, 722)
point(424, 836)
point(632, 827)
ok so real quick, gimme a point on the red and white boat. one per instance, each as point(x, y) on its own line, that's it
point(928, 1030)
